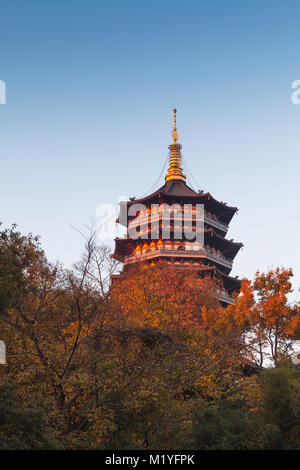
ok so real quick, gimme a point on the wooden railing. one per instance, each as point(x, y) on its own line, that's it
point(140, 220)
point(202, 253)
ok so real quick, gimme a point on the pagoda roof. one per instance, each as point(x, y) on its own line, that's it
point(175, 187)
point(228, 247)
point(178, 189)
point(122, 247)
point(230, 283)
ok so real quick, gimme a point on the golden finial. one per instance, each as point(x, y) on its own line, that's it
point(175, 132)
point(175, 170)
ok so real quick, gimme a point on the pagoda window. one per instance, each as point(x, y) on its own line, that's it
point(160, 244)
point(196, 246)
point(179, 245)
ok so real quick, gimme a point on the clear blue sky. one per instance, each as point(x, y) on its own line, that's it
point(90, 91)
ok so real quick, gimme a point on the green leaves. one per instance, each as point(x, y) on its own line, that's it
point(17, 253)
point(23, 423)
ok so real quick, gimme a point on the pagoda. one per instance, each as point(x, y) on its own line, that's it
point(153, 223)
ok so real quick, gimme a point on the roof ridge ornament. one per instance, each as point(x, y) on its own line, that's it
point(175, 171)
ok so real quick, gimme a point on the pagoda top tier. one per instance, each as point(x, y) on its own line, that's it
point(175, 188)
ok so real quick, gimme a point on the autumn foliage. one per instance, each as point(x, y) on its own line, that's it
point(269, 320)
point(154, 362)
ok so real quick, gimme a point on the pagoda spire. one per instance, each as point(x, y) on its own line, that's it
point(175, 171)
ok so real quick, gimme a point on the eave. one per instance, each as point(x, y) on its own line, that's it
point(175, 191)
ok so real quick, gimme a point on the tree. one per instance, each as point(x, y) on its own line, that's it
point(24, 424)
point(50, 322)
point(17, 252)
point(280, 406)
point(265, 313)
point(153, 362)
point(183, 345)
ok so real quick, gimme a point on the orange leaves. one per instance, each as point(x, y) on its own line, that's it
point(274, 282)
point(264, 310)
point(242, 309)
point(164, 297)
point(181, 305)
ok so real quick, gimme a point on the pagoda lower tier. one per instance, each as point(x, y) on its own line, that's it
point(215, 249)
point(204, 260)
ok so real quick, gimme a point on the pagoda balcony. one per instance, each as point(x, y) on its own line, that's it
point(179, 253)
point(216, 223)
point(157, 216)
point(224, 297)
